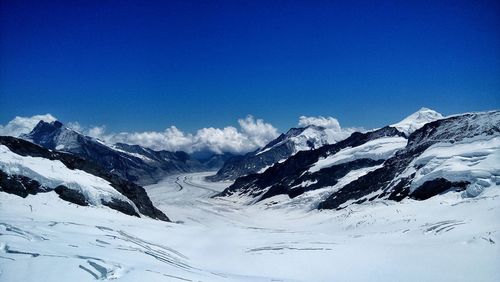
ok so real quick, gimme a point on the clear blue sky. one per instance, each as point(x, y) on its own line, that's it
point(145, 65)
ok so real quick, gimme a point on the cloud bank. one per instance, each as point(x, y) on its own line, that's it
point(326, 122)
point(251, 134)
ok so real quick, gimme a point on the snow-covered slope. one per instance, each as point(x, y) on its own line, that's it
point(325, 166)
point(459, 152)
point(416, 120)
point(456, 153)
point(53, 173)
point(306, 138)
point(28, 169)
point(377, 149)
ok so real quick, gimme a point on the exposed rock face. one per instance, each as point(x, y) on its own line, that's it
point(120, 206)
point(71, 195)
point(20, 185)
point(281, 148)
point(23, 186)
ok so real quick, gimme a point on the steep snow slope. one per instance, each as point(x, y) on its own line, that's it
point(447, 238)
point(476, 161)
point(378, 149)
point(53, 173)
point(416, 120)
point(432, 161)
point(28, 169)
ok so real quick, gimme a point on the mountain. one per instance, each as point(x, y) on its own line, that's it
point(417, 120)
point(308, 170)
point(211, 161)
point(131, 162)
point(29, 169)
point(459, 152)
point(281, 148)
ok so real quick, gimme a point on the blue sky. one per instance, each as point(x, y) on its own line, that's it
point(146, 65)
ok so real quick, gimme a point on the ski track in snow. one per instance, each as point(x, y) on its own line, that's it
point(446, 238)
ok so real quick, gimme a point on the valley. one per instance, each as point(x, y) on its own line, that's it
point(223, 239)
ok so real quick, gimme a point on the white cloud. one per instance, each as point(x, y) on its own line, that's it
point(22, 125)
point(252, 134)
point(96, 131)
point(259, 132)
point(326, 122)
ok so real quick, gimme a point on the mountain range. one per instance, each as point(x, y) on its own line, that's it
point(417, 158)
point(132, 162)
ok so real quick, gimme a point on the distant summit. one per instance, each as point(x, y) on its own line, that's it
point(416, 120)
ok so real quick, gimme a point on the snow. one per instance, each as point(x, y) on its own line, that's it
point(474, 160)
point(445, 238)
point(139, 156)
point(378, 149)
point(264, 168)
point(317, 137)
point(312, 136)
point(52, 173)
point(416, 120)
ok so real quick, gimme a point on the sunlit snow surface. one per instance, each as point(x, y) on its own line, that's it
point(378, 149)
point(416, 120)
point(446, 238)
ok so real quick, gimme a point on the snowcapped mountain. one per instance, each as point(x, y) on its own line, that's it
point(459, 152)
point(132, 162)
point(297, 174)
point(26, 168)
point(417, 120)
point(281, 148)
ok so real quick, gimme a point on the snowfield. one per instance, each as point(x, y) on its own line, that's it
point(378, 149)
point(446, 238)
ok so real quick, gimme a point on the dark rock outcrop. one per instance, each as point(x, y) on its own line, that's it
point(20, 185)
point(120, 206)
point(71, 195)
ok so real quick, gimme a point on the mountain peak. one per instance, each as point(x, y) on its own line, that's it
point(417, 120)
